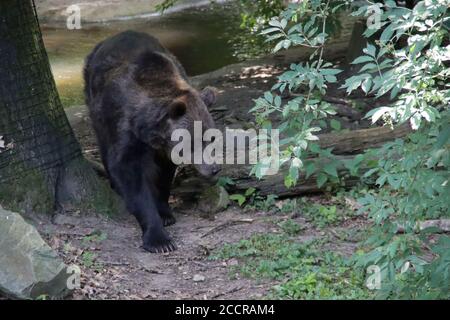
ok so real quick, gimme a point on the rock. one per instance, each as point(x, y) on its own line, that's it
point(29, 268)
point(233, 262)
point(65, 219)
point(214, 199)
point(198, 278)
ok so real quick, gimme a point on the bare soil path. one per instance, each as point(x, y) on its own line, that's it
point(114, 266)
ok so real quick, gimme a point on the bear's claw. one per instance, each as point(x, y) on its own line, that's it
point(161, 248)
point(168, 220)
point(158, 242)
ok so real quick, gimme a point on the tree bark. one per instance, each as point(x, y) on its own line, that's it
point(442, 224)
point(41, 165)
point(188, 183)
point(357, 141)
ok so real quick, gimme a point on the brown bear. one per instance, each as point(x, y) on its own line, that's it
point(138, 94)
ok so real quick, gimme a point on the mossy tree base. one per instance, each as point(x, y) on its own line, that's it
point(80, 187)
point(71, 188)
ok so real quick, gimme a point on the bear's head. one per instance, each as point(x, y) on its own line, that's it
point(170, 103)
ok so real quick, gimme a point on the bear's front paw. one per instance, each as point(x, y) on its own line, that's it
point(168, 219)
point(166, 214)
point(158, 241)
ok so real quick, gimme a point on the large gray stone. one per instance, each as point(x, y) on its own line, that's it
point(29, 268)
point(213, 200)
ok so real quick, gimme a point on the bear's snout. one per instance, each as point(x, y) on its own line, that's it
point(216, 170)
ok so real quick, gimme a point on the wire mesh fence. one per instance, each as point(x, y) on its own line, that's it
point(34, 130)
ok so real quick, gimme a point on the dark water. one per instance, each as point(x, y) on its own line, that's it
point(204, 39)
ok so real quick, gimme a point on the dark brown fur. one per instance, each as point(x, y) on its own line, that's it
point(138, 93)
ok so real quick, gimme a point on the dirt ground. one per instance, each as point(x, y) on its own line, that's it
point(121, 269)
point(114, 266)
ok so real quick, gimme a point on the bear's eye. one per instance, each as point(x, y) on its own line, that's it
point(177, 109)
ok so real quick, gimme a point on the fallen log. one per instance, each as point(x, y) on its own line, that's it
point(188, 183)
point(356, 141)
point(442, 224)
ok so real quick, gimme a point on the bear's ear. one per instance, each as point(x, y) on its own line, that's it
point(209, 96)
point(177, 109)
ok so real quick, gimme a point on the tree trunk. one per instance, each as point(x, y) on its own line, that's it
point(41, 165)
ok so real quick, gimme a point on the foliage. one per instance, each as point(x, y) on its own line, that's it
point(324, 215)
point(409, 64)
point(88, 259)
point(242, 198)
point(225, 182)
point(413, 173)
point(290, 227)
point(166, 4)
point(321, 215)
point(303, 24)
point(96, 236)
point(250, 200)
point(263, 203)
point(256, 13)
point(302, 270)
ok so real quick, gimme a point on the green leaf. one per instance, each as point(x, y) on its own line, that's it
point(370, 50)
point(310, 168)
point(268, 96)
point(249, 192)
point(224, 181)
point(366, 85)
point(330, 168)
point(322, 178)
point(415, 121)
point(370, 172)
point(282, 44)
point(368, 66)
point(362, 59)
point(288, 181)
point(443, 137)
point(332, 72)
point(276, 23)
point(277, 101)
point(239, 198)
point(293, 174)
point(387, 34)
point(377, 113)
point(336, 125)
point(297, 163)
point(269, 30)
